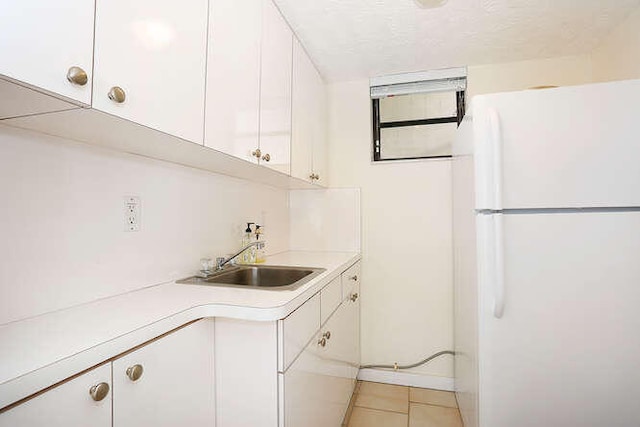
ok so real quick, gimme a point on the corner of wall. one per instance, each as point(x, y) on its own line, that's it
point(617, 57)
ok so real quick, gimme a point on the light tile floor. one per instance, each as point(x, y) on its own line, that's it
point(386, 405)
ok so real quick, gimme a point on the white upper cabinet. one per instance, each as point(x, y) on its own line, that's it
point(302, 116)
point(308, 145)
point(275, 90)
point(150, 63)
point(320, 152)
point(42, 41)
point(233, 77)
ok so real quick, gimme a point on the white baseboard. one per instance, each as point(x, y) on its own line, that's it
point(406, 378)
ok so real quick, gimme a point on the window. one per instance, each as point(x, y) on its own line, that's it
point(416, 120)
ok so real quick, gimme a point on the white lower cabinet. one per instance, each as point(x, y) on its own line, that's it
point(318, 385)
point(82, 401)
point(246, 373)
point(168, 382)
point(305, 390)
point(294, 372)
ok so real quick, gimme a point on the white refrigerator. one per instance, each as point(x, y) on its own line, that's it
point(547, 258)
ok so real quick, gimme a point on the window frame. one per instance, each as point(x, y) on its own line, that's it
point(377, 126)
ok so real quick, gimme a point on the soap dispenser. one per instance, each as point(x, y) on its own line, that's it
point(247, 238)
point(261, 253)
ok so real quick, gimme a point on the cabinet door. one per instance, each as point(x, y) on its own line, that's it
point(318, 385)
point(156, 53)
point(41, 40)
point(319, 164)
point(352, 334)
point(177, 382)
point(302, 126)
point(306, 390)
point(309, 119)
point(275, 90)
point(67, 405)
point(233, 77)
point(340, 353)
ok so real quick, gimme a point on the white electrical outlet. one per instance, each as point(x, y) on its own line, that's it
point(132, 215)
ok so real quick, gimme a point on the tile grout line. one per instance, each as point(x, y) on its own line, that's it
point(409, 409)
point(433, 404)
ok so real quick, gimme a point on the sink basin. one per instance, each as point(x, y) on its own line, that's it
point(258, 277)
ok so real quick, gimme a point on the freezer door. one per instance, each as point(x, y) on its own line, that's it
point(565, 349)
point(568, 147)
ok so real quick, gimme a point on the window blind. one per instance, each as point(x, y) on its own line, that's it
point(440, 85)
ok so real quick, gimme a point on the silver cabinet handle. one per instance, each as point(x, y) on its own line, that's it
point(266, 157)
point(77, 76)
point(354, 278)
point(135, 372)
point(314, 176)
point(322, 342)
point(116, 94)
point(99, 391)
point(257, 154)
point(327, 335)
point(353, 297)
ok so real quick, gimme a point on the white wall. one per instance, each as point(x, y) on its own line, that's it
point(563, 71)
point(407, 292)
point(325, 220)
point(618, 56)
point(62, 221)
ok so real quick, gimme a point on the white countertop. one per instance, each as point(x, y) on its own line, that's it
point(40, 351)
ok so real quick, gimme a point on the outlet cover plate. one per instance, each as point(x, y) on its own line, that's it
point(132, 216)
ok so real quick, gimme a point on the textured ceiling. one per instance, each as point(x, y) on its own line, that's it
point(350, 39)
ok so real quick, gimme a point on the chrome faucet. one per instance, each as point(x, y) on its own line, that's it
point(221, 261)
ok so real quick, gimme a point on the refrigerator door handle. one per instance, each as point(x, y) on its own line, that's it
point(496, 157)
point(498, 266)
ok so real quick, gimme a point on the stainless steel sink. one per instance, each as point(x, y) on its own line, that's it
point(258, 277)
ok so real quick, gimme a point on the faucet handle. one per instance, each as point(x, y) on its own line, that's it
point(206, 264)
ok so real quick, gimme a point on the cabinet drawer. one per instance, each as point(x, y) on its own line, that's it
point(330, 298)
point(351, 280)
point(299, 327)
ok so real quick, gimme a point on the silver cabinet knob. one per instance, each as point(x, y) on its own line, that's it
point(322, 342)
point(266, 157)
point(77, 76)
point(354, 278)
point(327, 335)
point(314, 176)
point(353, 297)
point(99, 391)
point(135, 372)
point(116, 94)
point(257, 154)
